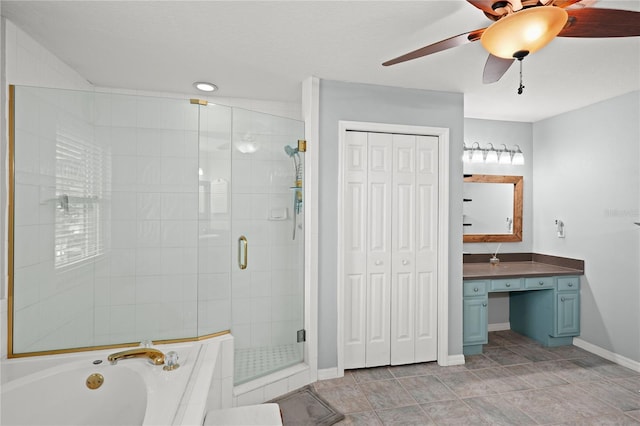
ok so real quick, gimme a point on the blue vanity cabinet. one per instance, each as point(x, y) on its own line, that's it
point(475, 320)
point(508, 284)
point(547, 309)
point(567, 312)
point(550, 316)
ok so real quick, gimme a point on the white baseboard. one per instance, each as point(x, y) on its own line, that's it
point(328, 373)
point(611, 356)
point(500, 326)
point(332, 373)
point(456, 359)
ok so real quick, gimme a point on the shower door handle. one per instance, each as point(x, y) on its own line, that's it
point(243, 247)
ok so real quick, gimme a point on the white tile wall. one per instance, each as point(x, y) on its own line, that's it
point(267, 296)
point(151, 238)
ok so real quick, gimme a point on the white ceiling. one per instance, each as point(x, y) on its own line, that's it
point(264, 49)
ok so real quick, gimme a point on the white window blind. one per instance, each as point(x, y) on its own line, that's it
point(79, 183)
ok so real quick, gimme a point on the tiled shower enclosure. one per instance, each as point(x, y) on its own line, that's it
point(128, 213)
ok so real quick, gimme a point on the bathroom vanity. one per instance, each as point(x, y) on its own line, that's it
point(544, 297)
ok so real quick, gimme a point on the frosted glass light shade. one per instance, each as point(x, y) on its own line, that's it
point(518, 157)
point(527, 31)
point(477, 156)
point(492, 156)
point(466, 154)
point(505, 157)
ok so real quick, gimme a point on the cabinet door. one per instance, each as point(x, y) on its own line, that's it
point(475, 321)
point(568, 314)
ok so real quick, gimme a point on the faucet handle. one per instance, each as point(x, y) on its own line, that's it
point(171, 361)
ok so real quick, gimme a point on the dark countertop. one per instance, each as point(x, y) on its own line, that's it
point(476, 267)
point(473, 271)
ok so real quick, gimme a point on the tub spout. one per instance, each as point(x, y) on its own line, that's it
point(155, 356)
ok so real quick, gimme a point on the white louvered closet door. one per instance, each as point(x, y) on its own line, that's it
point(390, 251)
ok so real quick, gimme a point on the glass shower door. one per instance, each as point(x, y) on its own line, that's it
point(267, 232)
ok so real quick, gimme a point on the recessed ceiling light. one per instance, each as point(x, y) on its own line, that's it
point(205, 87)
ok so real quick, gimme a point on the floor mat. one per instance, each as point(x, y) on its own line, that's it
point(305, 407)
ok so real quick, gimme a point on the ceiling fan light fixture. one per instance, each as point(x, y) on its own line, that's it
point(527, 30)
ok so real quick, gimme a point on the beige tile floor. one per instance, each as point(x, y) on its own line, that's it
point(514, 382)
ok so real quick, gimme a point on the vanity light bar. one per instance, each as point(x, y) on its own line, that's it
point(491, 155)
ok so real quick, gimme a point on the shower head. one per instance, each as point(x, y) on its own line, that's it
point(290, 151)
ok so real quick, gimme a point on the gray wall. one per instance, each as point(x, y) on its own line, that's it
point(509, 133)
point(586, 173)
point(361, 102)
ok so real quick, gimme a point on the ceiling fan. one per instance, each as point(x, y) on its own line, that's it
point(522, 27)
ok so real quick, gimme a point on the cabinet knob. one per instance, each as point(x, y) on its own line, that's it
point(570, 284)
point(475, 289)
point(562, 299)
point(508, 284)
point(378, 262)
point(484, 304)
point(405, 262)
point(541, 282)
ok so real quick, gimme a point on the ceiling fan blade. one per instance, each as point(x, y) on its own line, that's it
point(596, 22)
point(494, 68)
point(564, 3)
point(448, 43)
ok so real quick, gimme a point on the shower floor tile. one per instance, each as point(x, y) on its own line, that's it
point(251, 363)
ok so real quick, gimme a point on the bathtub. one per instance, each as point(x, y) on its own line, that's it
point(52, 390)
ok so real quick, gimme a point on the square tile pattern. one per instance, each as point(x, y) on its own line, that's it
point(251, 363)
point(515, 381)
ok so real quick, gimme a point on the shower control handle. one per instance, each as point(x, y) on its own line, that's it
point(243, 248)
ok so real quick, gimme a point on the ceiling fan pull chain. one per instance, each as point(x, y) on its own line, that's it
point(521, 87)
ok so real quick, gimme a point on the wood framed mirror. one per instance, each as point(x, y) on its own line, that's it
point(492, 209)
